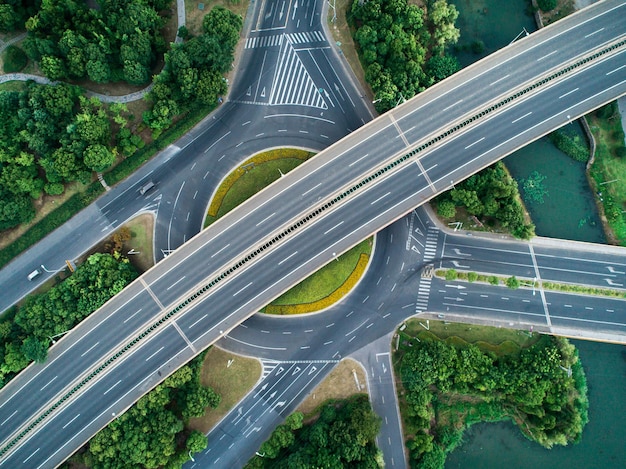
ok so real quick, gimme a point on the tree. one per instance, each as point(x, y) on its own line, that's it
point(446, 209)
point(440, 67)
point(512, 282)
point(98, 157)
point(35, 349)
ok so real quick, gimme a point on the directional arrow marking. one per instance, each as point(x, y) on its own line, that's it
point(460, 287)
point(312, 370)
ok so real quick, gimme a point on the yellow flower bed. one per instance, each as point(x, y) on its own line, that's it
point(227, 183)
point(331, 299)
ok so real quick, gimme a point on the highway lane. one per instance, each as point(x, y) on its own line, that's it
point(562, 262)
point(395, 197)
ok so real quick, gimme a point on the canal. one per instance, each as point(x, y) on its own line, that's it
point(568, 211)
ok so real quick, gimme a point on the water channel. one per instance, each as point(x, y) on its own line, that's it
point(568, 212)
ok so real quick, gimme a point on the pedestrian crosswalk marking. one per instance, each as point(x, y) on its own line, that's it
point(276, 40)
point(292, 83)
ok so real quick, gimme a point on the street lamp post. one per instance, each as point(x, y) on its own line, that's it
point(57, 335)
point(191, 457)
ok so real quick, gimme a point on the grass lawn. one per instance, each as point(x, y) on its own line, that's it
point(141, 231)
point(43, 206)
point(232, 383)
point(252, 181)
point(608, 170)
point(13, 86)
point(487, 338)
point(261, 171)
point(326, 280)
point(339, 384)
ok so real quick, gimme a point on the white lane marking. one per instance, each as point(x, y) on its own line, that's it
point(477, 141)
point(176, 282)
point(104, 393)
point(47, 384)
point(569, 92)
point(68, 423)
point(499, 80)
point(8, 418)
point(132, 315)
point(520, 118)
point(288, 257)
point(616, 70)
point(452, 105)
point(241, 289)
point(594, 33)
point(197, 321)
point(151, 356)
point(357, 160)
point(547, 55)
point(357, 328)
point(311, 189)
point(215, 143)
point(380, 198)
point(89, 349)
point(253, 345)
point(217, 252)
point(336, 226)
point(265, 219)
point(31, 455)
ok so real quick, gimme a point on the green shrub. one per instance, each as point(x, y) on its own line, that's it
point(547, 5)
point(451, 274)
point(446, 209)
point(493, 280)
point(472, 276)
point(331, 299)
point(512, 283)
point(14, 59)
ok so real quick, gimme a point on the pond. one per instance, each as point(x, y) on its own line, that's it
point(602, 445)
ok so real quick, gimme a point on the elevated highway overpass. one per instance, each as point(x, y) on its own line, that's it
point(351, 190)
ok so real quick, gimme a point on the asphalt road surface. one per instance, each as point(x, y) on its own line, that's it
point(240, 285)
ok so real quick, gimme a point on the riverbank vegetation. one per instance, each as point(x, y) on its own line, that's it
point(491, 195)
point(402, 46)
point(608, 172)
point(27, 331)
point(343, 434)
point(153, 432)
point(449, 384)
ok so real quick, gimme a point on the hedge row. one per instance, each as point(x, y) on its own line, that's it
point(227, 183)
point(50, 222)
point(129, 165)
point(331, 299)
point(451, 274)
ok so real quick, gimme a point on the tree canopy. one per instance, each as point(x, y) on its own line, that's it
point(342, 436)
point(402, 46)
point(119, 41)
point(542, 389)
point(26, 331)
point(491, 194)
point(152, 432)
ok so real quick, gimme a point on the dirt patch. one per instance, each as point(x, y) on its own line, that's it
point(43, 206)
point(232, 377)
point(339, 384)
point(340, 31)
